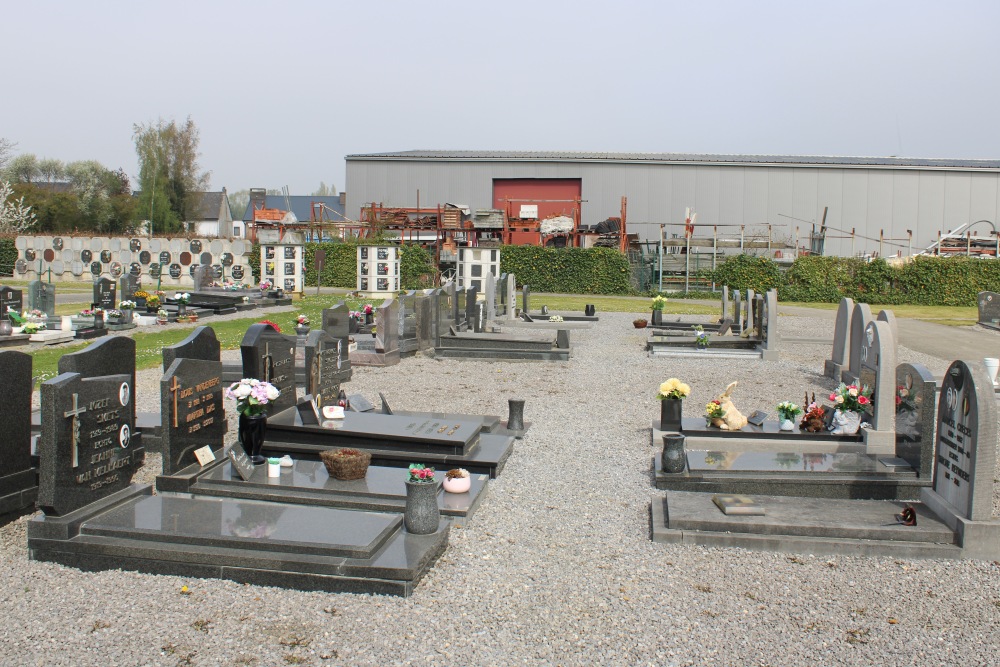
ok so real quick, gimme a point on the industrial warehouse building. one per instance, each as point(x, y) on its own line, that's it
point(869, 203)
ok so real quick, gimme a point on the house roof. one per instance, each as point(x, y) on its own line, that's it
point(206, 205)
point(302, 207)
point(681, 158)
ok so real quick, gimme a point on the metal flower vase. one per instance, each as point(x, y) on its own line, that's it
point(657, 317)
point(672, 459)
point(670, 414)
point(251, 435)
point(421, 515)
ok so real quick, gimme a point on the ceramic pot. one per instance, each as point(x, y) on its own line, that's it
point(670, 414)
point(846, 422)
point(672, 459)
point(786, 425)
point(457, 485)
point(657, 317)
point(421, 515)
point(639, 324)
point(6, 328)
point(251, 436)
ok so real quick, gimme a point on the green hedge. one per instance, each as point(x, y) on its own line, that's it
point(568, 270)
point(340, 269)
point(8, 255)
point(929, 281)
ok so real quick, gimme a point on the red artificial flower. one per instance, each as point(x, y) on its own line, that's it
point(863, 400)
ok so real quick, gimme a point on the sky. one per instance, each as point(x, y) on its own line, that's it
point(282, 92)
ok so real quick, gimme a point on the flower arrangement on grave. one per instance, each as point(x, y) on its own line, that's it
point(152, 301)
point(140, 294)
point(265, 285)
point(251, 396)
point(700, 336)
point(273, 325)
point(33, 327)
point(814, 419)
point(87, 312)
point(555, 318)
point(346, 464)
point(161, 313)
point(183, 298)
point(713, 410)
point(851, 397)
point(302, 320)
point(246, 299)
point(367, 309)
point(788, 410)
point(673, 389)
point(115, 314)
point(659, 302)
point(374, 330)
point(457, 480)
point(127, 305)
point(420, 474)
point(356, 314)
point(906, 399)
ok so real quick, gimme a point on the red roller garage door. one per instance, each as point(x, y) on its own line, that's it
point(553, 196)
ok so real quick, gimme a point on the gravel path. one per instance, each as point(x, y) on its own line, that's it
point(556, 568)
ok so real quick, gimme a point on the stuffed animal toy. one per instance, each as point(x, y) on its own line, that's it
point(733, 419)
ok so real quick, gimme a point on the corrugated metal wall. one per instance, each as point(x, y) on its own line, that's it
point(865, 199)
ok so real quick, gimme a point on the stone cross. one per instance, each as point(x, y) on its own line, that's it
point(174, 389)
point(267, 362)
point(75, 414)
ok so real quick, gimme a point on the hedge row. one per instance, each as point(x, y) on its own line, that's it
point(8, 255)
point(568, 270)
point(928, 281)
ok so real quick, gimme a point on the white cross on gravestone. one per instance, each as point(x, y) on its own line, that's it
point(75, 414)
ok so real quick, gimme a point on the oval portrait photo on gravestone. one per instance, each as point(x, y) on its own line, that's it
point(124, 435)
point(124, 394)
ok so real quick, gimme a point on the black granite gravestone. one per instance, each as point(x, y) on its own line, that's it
point(86, 451)
point(130, 285)
point(11, 300)
point(270, 356)
point(989, 309)
point(336, 322)
point(201, 344)
point(18, 488)
point(111, 356)
point(327, 366)
point(916, 392)
point(471, 294)
point(105, 293)
point(191, 411)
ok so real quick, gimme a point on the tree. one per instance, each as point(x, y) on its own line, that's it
point(15, 217)
point(6, 147)
point(168, 171)
point(51, 169)
point(23, 169)
point(325, 191)
point(238, 202)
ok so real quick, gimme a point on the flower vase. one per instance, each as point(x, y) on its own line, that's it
point(457, 485)
point(786, 425)
point(6, 328)
point(301, 329)
point(657, 317)
point(421, 515)
point(251, 435)
point(670, 414)
point(352, 325)
point(369, 318)
point(672, 459)
point(846, 422)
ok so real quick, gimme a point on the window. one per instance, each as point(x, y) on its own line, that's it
point(236, 230)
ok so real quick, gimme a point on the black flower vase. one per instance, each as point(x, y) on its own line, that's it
point(673, 458)
point(515, 417)
point(421, 515)
point(369, 318)
point(657, 317)
point(670, 414)
point(251, 436)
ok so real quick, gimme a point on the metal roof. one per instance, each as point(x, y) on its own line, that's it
point(301, 206)
point(682, 158)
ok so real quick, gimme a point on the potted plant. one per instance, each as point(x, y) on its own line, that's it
point(421, 515)
point(114, 316)
point(700, 337)
point(162, 317)
point(252, 397)
point(713, 410)
point(127, 307)
point(346, 464)
point(140, 297)
point(848, 402)
point(301, 324)
point(814, 419)
point(457, 480)
point(369, 312)
point(33, 327)
point(374, 330)
point(658, 304)
point(787, 412)
point(640, 323)
point(152, 303)
point(671, 396)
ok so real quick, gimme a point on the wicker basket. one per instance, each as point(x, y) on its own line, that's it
point(346, 467)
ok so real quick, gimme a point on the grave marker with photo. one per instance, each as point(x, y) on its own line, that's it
point(270, 357)
point(191, 411)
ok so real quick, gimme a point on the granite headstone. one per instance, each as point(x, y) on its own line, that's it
point(17, 476)
point(327, 366)
point(200, 344)
point(878, 372)
point(105, 293)
point(270, 356)
point(860, 318)
point(840, 355)
point(192, 412)
point(114, 355)
point(916, 392)
point(42, 296)
point(11, 300)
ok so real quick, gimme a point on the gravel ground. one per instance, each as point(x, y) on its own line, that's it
point(561, 572)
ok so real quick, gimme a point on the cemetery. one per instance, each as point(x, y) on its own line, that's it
point(344, 480)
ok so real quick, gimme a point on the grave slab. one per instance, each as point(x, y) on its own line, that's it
point(18, 476)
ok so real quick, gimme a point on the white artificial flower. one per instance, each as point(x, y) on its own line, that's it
point(272, 392)
point(242, 391)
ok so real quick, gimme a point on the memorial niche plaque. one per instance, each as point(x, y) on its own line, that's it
point(227, 259)
point(48, 254)
point(185, 258)
point(145, 257)
point(86, 256)
point(29, 255)
point(238, 273)
point(135, 245)
point(135, 269)
point(21, 266)
point(154, 270)
point(116, 269)
point(175, 270)
point(196, 246)
point(95, 268)
point(215, 271)
point(85, 451)
point(289, 269)
point(165, 257)
point(192, 411)
point(106, 256)
point(57, 243)
point(205, 258)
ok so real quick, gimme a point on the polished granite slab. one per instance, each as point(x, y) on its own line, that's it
point(723, 462)
point(307, 482)
point(263, 543)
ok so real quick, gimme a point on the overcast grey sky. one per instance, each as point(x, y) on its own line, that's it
point(281, 92)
